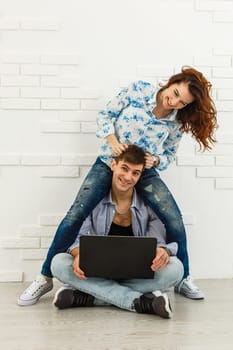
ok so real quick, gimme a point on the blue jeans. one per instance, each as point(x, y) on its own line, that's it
point(157, 195)
point(95, 186)
point(119, 293)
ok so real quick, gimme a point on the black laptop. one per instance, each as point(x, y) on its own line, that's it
point(117, 257)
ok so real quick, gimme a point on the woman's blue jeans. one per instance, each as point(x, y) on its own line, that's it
point(119, 293)
point(95, 186)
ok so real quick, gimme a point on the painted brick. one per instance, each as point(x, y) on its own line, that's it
point(38, 69)
point(94, 105)
point(37, 231)
point(223, 16)
point(9, 69)
point(86, 116)
point(62, 171)
point(154, 71)
point(60, 127)
point(224, 50)
point(60, 59)
point(215, 172)
point(11, 276)
point(221, 149)
point(9, 92)
point(19, 103)
point(18, 243)
point(79, 93)
point(224, 184)
point(225, 94)
point(19, 58)
point(50, 220)
point(10, 159)
point(20, 81)
point(46, 242)
point(88, 127)
point(60, 81)
point(78, 159)
point(9, 24)
point(223, 72)
point(43, 159)
point(189, 219)
point(70, 70)
point(195, 160)
point(40, 25)
point(225, 138)
point(224, 161)
point(34, 254)
point(224, 106)
point(38, 92)
point(222, 83)
point(60, 104)
point(213, 5)
point(216, 61)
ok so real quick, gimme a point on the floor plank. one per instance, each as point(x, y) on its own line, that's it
point(196, 325)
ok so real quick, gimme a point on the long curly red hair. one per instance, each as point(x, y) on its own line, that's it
point(200, 116)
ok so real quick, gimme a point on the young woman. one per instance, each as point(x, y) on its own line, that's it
point(155, 120)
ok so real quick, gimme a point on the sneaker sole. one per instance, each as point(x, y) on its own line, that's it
point(22, 302)
point(189, 295)
point(57, 295)
point(167, 306)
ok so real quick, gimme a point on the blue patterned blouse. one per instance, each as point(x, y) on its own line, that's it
point(129, 116)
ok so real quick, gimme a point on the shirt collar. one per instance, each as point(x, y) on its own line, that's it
point(135, 202)
point(152, 100)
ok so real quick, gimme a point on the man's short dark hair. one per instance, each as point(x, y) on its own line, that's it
point(133, 154)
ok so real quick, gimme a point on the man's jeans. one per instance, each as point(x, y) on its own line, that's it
point(95, 186)
point(119, 293)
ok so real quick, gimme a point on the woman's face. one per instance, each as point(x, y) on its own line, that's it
point(176, 96)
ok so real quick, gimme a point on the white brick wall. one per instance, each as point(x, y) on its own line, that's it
point(58, 68)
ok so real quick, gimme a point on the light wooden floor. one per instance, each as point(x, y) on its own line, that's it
point(196, 325)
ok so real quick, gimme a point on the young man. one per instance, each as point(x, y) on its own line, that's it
point(122, 210)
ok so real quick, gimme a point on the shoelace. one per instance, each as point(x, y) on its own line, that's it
point(32, 287)
point(146, 304)
point(82, 299)
point(190, 283)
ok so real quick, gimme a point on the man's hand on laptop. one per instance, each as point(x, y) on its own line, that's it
point(161, 259)
point(78, 272)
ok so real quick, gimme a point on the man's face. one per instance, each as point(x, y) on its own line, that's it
point(125, 175)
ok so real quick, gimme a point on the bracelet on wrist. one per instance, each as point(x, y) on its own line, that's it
point(156, 161)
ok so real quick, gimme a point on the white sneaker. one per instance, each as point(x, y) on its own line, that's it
point(36, 289)
point(187, 288)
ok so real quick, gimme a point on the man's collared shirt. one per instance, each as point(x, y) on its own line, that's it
point(129, 116)
point(144, 222)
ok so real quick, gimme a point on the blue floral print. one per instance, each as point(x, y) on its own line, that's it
point(129, 116)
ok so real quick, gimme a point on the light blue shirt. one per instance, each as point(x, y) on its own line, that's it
point(129, 116)
point(144, 222)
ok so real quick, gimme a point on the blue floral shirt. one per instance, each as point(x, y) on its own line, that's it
point(129, 116)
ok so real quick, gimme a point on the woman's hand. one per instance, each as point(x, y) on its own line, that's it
point(117, 147)
point(77, 271)
point(151, 161)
